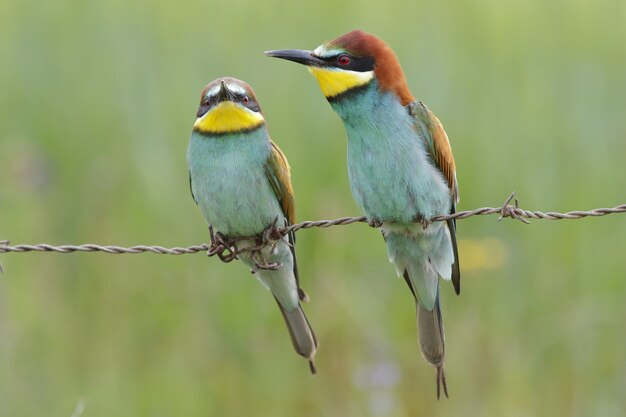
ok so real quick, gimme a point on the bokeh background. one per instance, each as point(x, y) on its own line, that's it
point(97, 99)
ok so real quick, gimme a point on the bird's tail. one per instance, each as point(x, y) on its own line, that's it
point(431, 337)
point(422, 261)
point(431, 340)
point(301, 332)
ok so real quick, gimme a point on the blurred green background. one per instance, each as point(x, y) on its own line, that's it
point(97, 100)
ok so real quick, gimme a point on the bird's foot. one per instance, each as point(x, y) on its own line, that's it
point(425, 222)
point(222, 247)
point(272, 233)
point(268, 238)
point(266, 266)
point(260, 262)
point(441, 382)
point(374, 222)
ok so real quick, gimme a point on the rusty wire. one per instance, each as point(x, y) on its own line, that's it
point(227, 249)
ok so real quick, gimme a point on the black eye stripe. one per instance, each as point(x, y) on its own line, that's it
point(209, 102)
point(252, 105)
point(204, 107)
point(360, 64)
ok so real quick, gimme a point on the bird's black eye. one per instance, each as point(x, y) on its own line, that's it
point(206, 101)
point(343, 59)
point(245, 100)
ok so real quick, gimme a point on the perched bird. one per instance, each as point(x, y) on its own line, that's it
point(401, 169)
point(241, 181)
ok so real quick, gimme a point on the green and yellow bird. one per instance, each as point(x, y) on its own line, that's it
point(400, 167)
point(241, 181)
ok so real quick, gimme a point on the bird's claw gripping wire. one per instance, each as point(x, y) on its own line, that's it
point(374, 222)
point(268, 238)
point(227, 249)
point(511, 211)
point(272, 235)
point(425, 222)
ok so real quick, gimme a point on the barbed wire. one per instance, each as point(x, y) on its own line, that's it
point(227, 249)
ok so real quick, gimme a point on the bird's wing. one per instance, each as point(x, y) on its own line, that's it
point(438, 147)
point(191, 189)
point(277, 172)
point(437, 143)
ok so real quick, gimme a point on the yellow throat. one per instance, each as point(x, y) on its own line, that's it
point(228, 117)
point(334, 81)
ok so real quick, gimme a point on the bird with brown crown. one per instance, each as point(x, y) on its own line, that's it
point(240, 179)
point(401, 170)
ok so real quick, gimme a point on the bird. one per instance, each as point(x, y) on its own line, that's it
point(241, 181)
point(401, 170)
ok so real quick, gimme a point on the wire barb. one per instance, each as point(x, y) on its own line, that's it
point(227, 249)
point(508, 210)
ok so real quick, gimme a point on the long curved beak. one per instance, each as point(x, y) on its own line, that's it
point(298, 55)
point(224, 94)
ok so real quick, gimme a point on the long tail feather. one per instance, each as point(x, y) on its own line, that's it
point(431, 341)
point(430, 330)
point(302, 335)
point(441, 382)
point(431, 337)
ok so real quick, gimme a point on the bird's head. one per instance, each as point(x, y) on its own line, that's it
point(228, 105)
point(349, 63)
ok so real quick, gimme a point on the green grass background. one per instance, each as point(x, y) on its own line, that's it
point(97, 99)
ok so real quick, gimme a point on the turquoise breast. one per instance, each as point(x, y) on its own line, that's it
point(229, 184)
point(391, 175)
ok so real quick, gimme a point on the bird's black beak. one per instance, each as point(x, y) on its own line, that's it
point(224, 94)
point(298, 55)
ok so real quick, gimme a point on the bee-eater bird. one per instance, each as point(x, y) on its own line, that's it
point(400, 167)
point(241, 181)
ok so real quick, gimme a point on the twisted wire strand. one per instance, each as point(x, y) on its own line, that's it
point(227, 249)
point(111, 249)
